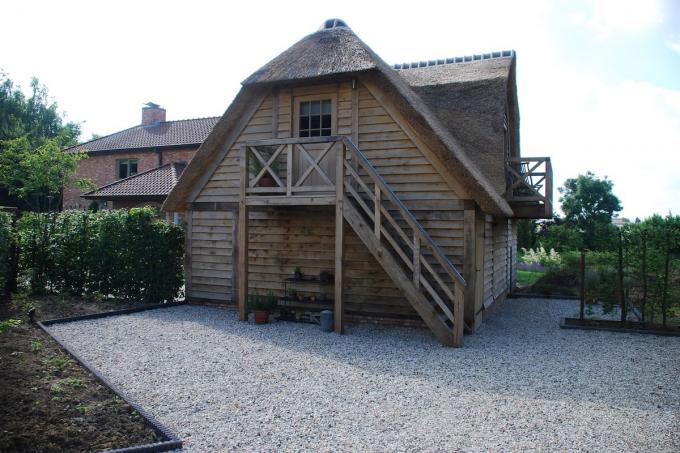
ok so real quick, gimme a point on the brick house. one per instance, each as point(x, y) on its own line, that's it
point(139, 165)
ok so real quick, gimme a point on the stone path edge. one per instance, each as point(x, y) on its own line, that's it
point(170, 440)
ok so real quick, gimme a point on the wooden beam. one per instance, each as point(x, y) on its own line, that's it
point(339, 312)
point(377, 210)
point(242, 269)
point(235, 255)
point(469, 261)
point(480, 227)
point(275, 113)
point(295, 140)
point(319, 200)
point(188, 218)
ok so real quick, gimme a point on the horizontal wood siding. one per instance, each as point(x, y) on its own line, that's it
point(500, 257)
point(211, 255)
point(412, 177)
point(282, 238)
point(224, 183)
point(488, 261)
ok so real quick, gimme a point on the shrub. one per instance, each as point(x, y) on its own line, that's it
point(540, 256)
point(5, 249)
point(127, 254)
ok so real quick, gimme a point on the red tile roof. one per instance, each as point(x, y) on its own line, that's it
point(157, 182)
point(167, 133)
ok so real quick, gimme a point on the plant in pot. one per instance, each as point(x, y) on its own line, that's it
point(255, 167)
point(297, 273)
point(261, 306)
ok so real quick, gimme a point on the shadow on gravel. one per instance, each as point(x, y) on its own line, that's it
point(521, 351)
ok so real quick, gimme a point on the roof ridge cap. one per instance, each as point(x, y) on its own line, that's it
point(119, 181)
point(77, 145)
point(455, 60)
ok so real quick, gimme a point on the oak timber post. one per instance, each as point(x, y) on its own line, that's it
point(243, 238)
point(339, 241)
point(469, 261)
point(188, 218)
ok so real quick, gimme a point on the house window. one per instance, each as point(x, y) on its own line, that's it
point(315, 118)
point(126, 167)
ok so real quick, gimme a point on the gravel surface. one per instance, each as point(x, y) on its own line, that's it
point(520, 383)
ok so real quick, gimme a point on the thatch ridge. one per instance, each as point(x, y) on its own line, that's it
point(327, 52)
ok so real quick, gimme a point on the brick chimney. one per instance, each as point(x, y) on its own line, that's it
point(152, 114)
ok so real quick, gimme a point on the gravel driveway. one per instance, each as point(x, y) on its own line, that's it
point(520, 383)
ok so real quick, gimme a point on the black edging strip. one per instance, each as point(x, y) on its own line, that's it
point(541, 296)
point(611, 326)
point(170, 440)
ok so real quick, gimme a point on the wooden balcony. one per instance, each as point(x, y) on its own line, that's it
point(530, 187)
point(289, 172)
point(333, 171)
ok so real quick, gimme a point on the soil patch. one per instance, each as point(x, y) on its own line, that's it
point(48, 402)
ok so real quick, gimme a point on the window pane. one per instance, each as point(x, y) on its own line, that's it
point(316, 107)
point(304, 108)
point(326, 107)
point(304, 133)
point(316, 122)
point(314, 133)
point(326, 121)
point(326, 132)
point(304, 122)
point(122, 169)
point(132, 166)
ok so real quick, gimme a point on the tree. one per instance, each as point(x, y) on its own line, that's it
point(33, 167)
point(38, 176)
point(589, 205)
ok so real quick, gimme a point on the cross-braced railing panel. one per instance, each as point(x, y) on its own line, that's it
point(290, 167)
point(530, 180)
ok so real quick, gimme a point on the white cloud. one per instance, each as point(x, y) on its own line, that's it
point(675, 46)
point(605, 17)
point(628, 131)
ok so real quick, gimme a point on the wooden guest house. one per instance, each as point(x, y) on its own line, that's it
point(403, 183)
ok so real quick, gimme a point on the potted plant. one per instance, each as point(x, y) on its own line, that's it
point(255, 167)
point(297, 273)
point(325, 277)
point(261, 306)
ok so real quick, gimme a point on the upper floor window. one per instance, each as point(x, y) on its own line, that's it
point(126, 167)
point(315, 118)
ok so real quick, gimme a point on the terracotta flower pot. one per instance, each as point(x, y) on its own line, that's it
point(261, 317)
point(266, 181)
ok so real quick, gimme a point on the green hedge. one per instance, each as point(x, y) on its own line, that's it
point(5, 249)
point(130, 255)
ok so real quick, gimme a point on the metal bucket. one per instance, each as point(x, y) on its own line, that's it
point(326, 320)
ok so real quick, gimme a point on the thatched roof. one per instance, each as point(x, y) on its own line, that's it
point(154, 183)
point(334, 52)
point(469, 99)
point(327, 52)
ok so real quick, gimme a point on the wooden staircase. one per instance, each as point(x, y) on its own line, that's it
point(416, 264)
point(403, 248)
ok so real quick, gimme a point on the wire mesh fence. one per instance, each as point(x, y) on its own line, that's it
point(638, 283)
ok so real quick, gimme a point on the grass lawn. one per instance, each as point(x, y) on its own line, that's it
point(525, 278)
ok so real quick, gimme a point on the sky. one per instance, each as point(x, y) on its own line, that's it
point(598, 80)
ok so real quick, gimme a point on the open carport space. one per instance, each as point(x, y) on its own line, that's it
point(519, 383)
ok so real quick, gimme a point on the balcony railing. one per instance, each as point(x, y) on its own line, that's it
point(530, 186)
point(291, 171)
